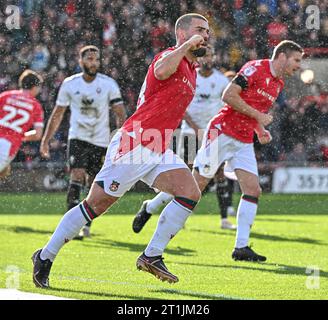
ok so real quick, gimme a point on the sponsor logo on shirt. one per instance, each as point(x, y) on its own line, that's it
point(185, 80)
point(266, 95)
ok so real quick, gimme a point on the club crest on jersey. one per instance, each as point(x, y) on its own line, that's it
point(114, 186)
point(98, 90)
point(249, 71)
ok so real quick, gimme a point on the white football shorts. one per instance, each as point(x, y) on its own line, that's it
point(118, 175)
point(235, 154)
point(5, 160)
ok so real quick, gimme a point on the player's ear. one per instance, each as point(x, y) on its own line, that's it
point(181, 35)
point(283, 55)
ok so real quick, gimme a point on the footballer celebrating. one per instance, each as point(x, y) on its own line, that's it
point(206, 104)
point(229, 136)
point(139, 151)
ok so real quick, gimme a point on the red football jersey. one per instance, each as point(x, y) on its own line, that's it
point(161, 107)
point(262, 91)
point(19, 112)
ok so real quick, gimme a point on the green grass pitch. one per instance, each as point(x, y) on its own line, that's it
point(291, 230)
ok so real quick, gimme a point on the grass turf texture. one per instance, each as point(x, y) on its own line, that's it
point(291, 230)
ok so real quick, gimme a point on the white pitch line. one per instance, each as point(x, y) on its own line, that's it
point(14, 294)
point(154, 287)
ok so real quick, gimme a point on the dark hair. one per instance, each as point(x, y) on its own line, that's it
point(86, 49)
point(286, 46)
point(184, 21)
point(29, 79)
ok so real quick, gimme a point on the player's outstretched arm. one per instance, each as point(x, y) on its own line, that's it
point(168, 64)
point(52, 126)
point(231, 96)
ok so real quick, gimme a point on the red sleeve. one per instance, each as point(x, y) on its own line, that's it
point(38, 115)
point(249, 72)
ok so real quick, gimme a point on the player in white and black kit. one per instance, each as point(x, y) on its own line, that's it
point(90, 95)
point(207, 102)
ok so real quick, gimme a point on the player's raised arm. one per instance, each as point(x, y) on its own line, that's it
point(231, 96)
point(192, 33)
point(168, 64)
point(52, 126)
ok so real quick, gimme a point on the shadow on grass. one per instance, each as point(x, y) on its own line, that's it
point(135, 247)
point(104, 295)
point(256, 235)
point(264, 218)
point(23, 229)
point(195, 294)
point(276, 268)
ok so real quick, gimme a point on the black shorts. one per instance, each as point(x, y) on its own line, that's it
point(84, 155)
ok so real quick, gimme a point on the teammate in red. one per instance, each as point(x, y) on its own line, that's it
point(139, 151)
point(229, 136)
point(19, 112)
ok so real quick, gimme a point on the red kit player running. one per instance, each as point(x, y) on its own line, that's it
point(19, 112)
point(229, 136)
point(139, 151)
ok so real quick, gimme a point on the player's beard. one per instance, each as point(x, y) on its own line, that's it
point(207, 67)
point(89, 72)
point(200, 52)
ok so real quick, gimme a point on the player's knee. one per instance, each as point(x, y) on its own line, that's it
point(255, 191)
point(258, 191)
point(98, 202)
point(189, 192)
point(194, 194)
point(98, 206)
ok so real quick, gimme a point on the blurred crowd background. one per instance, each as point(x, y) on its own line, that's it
point(131, 32)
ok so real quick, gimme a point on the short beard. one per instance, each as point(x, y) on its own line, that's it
point(206, 67)
point(199, 52)
point(88, 72)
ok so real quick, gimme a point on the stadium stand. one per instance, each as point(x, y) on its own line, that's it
point(130, 33)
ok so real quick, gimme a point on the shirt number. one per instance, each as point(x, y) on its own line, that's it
point(13, 112)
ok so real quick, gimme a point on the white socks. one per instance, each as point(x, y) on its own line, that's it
point(245, 217)
point(161, 199)
point(69, 226)
point(171, 220)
